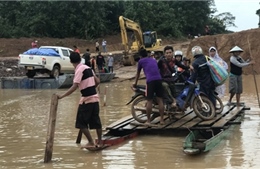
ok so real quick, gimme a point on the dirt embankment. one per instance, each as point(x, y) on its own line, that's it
point(11, 48)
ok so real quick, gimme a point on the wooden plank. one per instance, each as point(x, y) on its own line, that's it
point(155, 123)
point(127, 123)
point(177, 117)
point(191, 123)
point(227, 109)
point(118, 122)
point(167, 121)
point(121, 124)
point(138, 126)
point(181, 121)
point(154, 110)
point(129, 126)
point(223, 121)
point(224, 112)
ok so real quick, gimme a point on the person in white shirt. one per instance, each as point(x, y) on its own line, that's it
point(97, 46)
point(104, 45)
point(110, 61)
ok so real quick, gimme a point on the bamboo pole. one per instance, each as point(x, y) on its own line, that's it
point(253, 72)
point(51, 129)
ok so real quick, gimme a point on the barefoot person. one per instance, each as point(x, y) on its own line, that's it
point(235, 78)
point(88, 110)
point(153, 83)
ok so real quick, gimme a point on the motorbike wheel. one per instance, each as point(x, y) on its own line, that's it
point(205, 113)
point(219, 105)
point(138, 108)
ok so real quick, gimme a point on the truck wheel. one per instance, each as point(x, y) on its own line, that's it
point(30, 73)
point(55, 72)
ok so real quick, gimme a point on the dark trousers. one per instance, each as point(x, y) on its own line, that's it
point(110, 69)
point(209, 93)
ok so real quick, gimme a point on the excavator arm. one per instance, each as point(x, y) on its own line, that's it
point(138, 34)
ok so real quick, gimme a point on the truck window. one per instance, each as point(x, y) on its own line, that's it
point(65, 52)
point(70, 51)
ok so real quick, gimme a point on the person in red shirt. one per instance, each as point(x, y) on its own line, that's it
point(76, 49)
point(34, 44)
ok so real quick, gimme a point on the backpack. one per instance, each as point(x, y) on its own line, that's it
point(218, 73)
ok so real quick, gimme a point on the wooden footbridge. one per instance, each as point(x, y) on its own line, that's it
point(128, 127)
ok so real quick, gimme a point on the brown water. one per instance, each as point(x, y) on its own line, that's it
point(23, 129)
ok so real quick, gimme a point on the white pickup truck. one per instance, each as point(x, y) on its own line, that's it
point(53, 64)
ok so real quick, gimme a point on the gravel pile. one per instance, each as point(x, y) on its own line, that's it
point(9, 68)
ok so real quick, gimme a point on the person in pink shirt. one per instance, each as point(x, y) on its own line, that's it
point(88, 109)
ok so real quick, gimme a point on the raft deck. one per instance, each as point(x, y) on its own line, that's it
point(128, 127)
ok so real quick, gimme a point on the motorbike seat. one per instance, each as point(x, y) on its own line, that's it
point(141, 86)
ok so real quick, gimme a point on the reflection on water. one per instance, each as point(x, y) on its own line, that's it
point(23, 129)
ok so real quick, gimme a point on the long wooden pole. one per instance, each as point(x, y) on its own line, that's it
point(253, 72)
point(51, 129)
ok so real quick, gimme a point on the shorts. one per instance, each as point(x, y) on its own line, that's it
point(154, 87)
point(235, 84)
point(88, 116)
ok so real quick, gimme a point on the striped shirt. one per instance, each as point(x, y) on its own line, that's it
point(84, 77)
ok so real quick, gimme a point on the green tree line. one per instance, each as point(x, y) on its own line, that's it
point(92, 19)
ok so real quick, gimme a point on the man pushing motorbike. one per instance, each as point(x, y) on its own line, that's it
point(153, 83)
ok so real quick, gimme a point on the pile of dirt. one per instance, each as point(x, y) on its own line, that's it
point(9, 68)
point(224, 42)
point(13, 47)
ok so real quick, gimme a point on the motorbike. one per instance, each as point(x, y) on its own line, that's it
point(179, 77)
point(189, 96)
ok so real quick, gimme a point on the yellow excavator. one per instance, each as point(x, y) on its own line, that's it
point(147, 40)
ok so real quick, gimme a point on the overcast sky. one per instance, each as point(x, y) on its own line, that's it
point(243, 10)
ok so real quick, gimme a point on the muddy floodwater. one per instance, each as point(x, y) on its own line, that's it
point(23, 130)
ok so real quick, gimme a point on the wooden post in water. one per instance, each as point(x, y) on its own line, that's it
point(105, 96)
point(51, 129)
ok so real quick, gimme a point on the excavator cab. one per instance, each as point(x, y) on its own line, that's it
point(150, 38)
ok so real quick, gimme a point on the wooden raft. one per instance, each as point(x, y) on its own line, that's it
point(189, 120)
